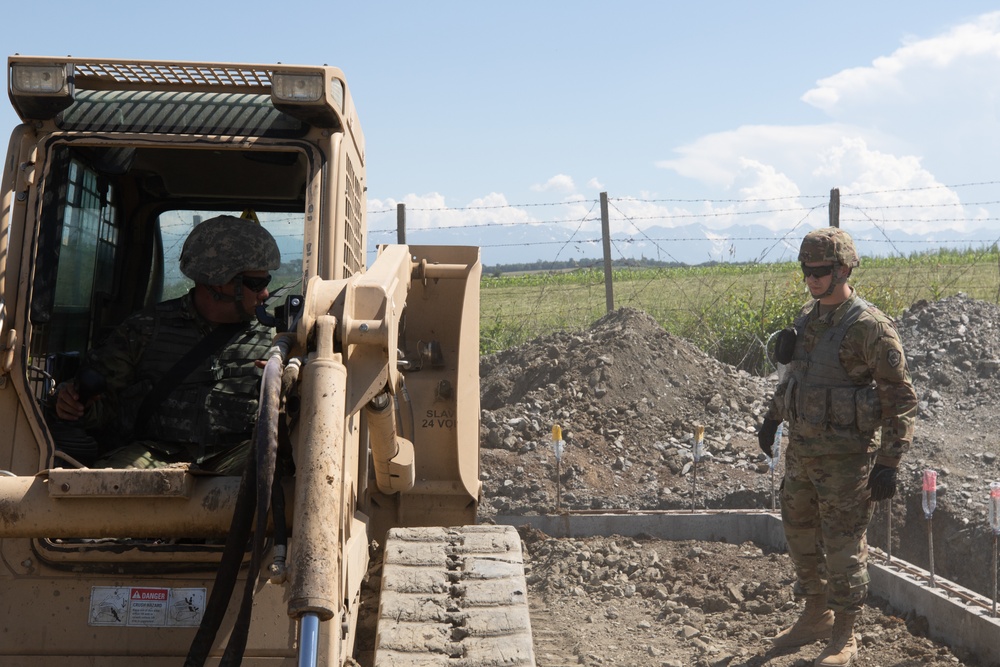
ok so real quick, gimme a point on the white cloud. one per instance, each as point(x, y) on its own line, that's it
point(558, 183)
point(431, 211)
point(773, 169)
point(938, 97)
point(872, 181)
point(718, 159)
point(924, 115)
point(594, 184)
point(903, 76)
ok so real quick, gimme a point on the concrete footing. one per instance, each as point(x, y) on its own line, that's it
point(955, 616)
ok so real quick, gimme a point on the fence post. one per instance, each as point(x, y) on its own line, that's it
point(835, 207)
point(401, 224)
point(609, 290)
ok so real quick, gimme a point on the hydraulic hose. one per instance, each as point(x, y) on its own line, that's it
point(254, 498)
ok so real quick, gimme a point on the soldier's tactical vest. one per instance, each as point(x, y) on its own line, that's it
point(820, 399)
point(215, 406)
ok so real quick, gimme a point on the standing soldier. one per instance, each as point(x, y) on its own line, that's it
point(850, 406)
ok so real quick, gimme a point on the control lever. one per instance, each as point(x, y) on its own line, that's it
point(264, 317)
point(90, 383)
point(73, 443)
point(286, 316)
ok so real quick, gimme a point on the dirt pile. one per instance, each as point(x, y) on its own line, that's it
point(627, 396)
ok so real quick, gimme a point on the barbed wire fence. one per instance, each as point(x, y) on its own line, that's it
point(723, 276)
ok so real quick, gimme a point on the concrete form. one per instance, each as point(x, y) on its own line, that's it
point(955, 615)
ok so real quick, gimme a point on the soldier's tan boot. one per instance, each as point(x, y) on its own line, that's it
point(843, 645)
point(815, 623)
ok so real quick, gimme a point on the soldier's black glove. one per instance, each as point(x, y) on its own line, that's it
point(882, 482)
point(784, 345)
point(765, 435)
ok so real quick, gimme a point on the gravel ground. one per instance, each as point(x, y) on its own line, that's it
point(628, 396)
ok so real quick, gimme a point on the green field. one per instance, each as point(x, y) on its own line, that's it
point(728, 310)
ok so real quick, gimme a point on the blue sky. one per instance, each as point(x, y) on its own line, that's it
point(722, 103)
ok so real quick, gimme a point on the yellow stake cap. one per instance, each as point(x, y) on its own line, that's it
point(556, 432)
point(699, 432)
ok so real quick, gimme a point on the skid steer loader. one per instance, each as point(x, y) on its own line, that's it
point(371, 387)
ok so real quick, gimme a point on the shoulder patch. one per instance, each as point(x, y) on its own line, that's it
point(893, 357)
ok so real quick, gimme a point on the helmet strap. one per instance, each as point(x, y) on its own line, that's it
point(835, 280)
point(219, 296)
point(237, 295)
point(238, 289)
point(236, 298)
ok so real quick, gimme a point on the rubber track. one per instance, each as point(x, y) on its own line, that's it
point(453, 596)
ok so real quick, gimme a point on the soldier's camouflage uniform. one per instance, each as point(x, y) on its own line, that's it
point(207, 418)
point(842, 418)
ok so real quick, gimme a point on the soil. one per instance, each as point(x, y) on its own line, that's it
point(628, 397)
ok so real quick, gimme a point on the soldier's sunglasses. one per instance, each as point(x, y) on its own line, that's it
point(256, 284)
point(816, 271)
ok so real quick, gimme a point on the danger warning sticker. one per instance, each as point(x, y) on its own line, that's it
point(148, 607)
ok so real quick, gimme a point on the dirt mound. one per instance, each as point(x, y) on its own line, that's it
point(627, 395)
point(626, 352)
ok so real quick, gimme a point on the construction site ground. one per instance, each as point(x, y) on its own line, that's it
point(627, 396)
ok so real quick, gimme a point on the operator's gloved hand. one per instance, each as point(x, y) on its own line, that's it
point(765, 435)
point(882, 482)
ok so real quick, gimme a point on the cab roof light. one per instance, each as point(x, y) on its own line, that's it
point(297, 88)
point(41, 91)
point(308, 96)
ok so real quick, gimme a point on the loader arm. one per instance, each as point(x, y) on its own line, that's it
point(402, 323)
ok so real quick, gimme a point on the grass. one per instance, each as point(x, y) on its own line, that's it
point(728, 310)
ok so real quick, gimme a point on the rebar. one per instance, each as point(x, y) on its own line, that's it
point(994, 518)
point(930, 549)
point(557, 446)
point(888, 530)
point(774, 503)
point(773, 463)
point(994, 575)
point(694, 482)
point(699, 439)
point(929, 502)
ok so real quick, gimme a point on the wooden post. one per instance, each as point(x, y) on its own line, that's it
point(401, 224)
point(835, 207)
point(609, 291)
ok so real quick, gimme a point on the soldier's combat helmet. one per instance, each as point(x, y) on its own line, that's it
point(829, 244)
point(220, 248)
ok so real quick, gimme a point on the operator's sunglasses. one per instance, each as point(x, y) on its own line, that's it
point(816, 271)
point(256, 284)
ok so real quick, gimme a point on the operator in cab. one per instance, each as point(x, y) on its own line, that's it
point(179, 382)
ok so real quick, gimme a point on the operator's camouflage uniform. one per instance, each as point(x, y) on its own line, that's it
point(207, 418)
point(833, 438)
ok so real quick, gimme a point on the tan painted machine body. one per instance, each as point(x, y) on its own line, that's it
point(113, 164)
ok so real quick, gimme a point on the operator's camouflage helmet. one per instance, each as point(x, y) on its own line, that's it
point(221, 247)
point(829, 244)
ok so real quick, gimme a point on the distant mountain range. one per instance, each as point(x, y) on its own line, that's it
point(690, 244)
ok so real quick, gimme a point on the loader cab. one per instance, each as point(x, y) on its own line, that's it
point(112, 221)
point(114, 164)
point(116, 161)
point(108, 246)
